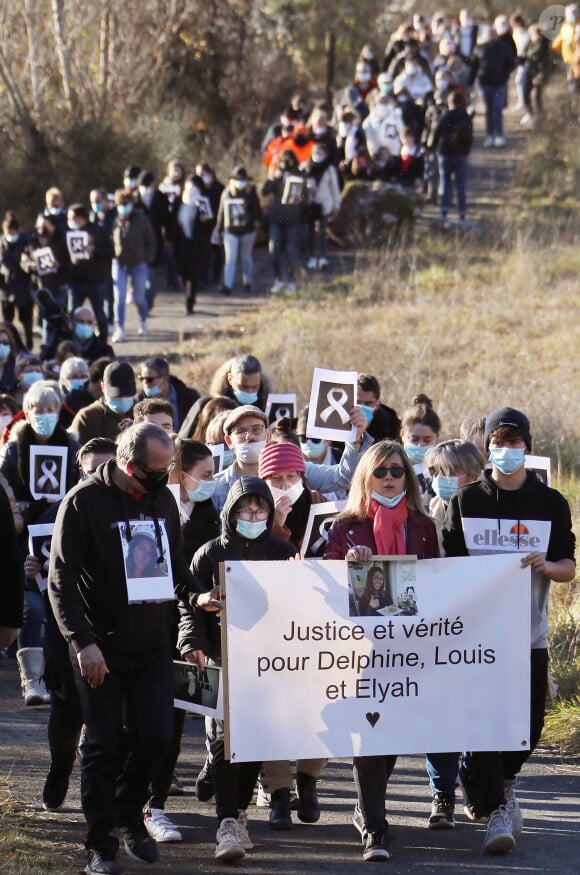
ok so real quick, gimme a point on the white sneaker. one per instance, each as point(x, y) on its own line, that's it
point(228, 843)
point(499, 838)
point(277, 287)
point(263, 798)
point(322, 263)
point(513, 807)
point(488, 142)
point(311, 263)
point(160, 827)
point(243, 834)
point(118, 335)
point(500, 142)
point(143, 330)
point(291, 287)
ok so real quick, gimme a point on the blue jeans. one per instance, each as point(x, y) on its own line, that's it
point(283, 238)
point(138, 275)
point(494, 97)
point(31, 633)
point(317, 234)
point(97, 294)
point(452, 166)
point(442, 769)
point(242, 245)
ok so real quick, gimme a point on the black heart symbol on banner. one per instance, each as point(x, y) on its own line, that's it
point(373, 718)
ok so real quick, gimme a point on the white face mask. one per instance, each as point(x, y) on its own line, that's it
point(249, 453)
point(293, 493)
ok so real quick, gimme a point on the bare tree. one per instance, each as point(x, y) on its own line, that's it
point(62, 52)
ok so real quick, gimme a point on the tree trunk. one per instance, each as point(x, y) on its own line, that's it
point(63, 52)
point(33, 58)
point(104, 42)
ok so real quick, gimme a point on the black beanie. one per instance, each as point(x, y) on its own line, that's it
point(508, 417)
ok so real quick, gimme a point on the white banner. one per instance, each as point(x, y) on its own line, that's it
point(306, 679)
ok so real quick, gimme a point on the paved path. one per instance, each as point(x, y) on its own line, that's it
point(549, 797)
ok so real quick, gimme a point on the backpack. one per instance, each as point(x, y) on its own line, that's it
point(460, 136)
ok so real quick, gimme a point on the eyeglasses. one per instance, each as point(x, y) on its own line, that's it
point(249, 431)
point(149, 379)
point(395, 471)
point(251, 515)
point(304, 440)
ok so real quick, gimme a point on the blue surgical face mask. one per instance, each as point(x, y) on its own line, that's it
point(12, 238)
point(120, 405)
point(507, 459)
point(204, 490)
point(251, 530)
point(369, 412)
point(245, 397)
point(76, 384)
point(445, 487)
point(30, 377)
point(97, 208)
point(74, 226)
point(229, 458)
point(44, 424)
point(389, 502)
point(311, 448)
point(125, 209)
point(5, 351)
point(55, 211)
point(83, 332)
point(415, 453)
point(152, 391)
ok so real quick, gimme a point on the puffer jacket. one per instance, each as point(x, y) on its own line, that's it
point(199, 629)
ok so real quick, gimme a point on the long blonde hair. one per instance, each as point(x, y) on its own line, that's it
point(360, 490)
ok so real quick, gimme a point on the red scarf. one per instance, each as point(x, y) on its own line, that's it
point(389, 527)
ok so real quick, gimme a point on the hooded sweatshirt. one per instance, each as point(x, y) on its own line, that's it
point(87, 584)
point(200, 630)
point(484, 519)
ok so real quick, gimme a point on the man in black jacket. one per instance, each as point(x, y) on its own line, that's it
point(158, 382)
point(12, 593)
point(121, 649)
point(452, 139)
point(90, 270)
point(493, 63)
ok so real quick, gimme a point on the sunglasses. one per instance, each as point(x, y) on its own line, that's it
point(396, 471)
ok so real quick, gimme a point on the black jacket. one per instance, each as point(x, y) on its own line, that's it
point(87, 585)
point(385, 424)
point(11, 592)
point(97, 268)
point(493, 61)
point(453, 134)
point(14, 282)
point(200, 630)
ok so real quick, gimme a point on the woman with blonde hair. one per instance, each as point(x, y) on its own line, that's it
point(384, 516)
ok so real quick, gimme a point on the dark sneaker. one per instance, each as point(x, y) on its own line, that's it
point(204, 788)
point(55, 790)
point(102, 864)
point(471, 797)
point(376, 847)
point(280, 813)
point(308, 806)
point(139, 844)
point(442, 808)
point(176, 788)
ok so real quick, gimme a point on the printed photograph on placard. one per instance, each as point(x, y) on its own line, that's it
point(39, 538)
point(198, 692)
point(48, 472)
point(147, 562)
point(235, 213)
point(278, 406)
point(293, 193)
point(320, 518)
point(384, 586)
point(332, 397)
point(217, 451)
point(541, 465)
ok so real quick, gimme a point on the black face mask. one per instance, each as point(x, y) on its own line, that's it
point(153, 483)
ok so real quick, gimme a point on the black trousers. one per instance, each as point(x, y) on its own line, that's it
point(234, 782)
point(489, 769)
point(161, 780)
point(371, 775)
point(116, 770)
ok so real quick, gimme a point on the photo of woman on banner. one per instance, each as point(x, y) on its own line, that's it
point(384, 516)
point(142, 557)
point(377, 593)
